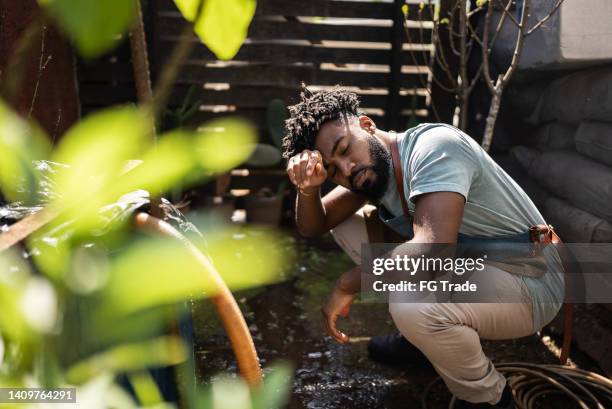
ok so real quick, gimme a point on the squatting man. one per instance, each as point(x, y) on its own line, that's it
point(451, 187)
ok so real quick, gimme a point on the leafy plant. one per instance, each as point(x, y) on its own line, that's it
point(177, 118)
point(91, 300)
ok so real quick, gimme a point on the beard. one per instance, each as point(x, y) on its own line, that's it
point(375, 188)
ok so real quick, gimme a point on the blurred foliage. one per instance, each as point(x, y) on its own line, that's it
point(264, 155)
point(276, 115)
point(221, 24)
point(20, 144)
point(226, 392)
point(94, 26)
point(166, 350)
point(224, 144)
point(178, 117)
point(87, 298)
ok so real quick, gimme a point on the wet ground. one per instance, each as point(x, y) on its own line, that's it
point(286, 324)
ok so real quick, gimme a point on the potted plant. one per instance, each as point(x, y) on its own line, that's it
point(266, 204)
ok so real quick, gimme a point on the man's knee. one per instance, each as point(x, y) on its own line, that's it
point(417, 321)
point(350, 234)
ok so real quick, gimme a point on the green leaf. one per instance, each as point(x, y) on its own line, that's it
point(264, 155)
point(223, 25)
point(102, 393)
point(93, 25)
point(276, 115)
point(14, 276)
point(163, 165)
point(20, 144)
point(163, 351)
point(145, 388)
point(188, 8)
point(224, 143)
point(154, 272)
point(157, 271)
point(230, 393)
point(247, 258)
point(275, 392)
point(97, 150)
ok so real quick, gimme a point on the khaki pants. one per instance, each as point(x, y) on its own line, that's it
point(449, 333)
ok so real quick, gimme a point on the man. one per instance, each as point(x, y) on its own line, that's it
point(451, 187)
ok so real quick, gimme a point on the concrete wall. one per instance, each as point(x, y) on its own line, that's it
point(578, 35)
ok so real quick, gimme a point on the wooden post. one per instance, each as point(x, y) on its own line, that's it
point(395, 64)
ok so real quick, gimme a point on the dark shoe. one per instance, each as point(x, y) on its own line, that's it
point(506, 402)
point(395, 350)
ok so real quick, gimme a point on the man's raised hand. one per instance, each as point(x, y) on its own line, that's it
point(306, 171)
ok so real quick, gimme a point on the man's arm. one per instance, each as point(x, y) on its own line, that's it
point(437, 219)
point(315, 216)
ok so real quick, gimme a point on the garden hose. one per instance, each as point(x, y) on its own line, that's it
point(532, 382)
point(223, 300)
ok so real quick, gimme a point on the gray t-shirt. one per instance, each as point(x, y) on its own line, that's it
point(440, 157)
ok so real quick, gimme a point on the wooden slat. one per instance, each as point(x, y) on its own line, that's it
point(253, 96)
point(287, 54)
point(242, 96)
point(257, 116)
point(171, 27)
point(253, 74)
point(322, 8)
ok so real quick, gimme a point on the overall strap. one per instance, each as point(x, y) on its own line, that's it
point(397, 169)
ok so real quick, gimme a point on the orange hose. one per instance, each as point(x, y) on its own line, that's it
point(223, 300)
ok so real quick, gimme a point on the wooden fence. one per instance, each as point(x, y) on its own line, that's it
point(323, 43)
point(361, 45)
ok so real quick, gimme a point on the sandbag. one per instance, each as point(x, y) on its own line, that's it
point(584, 95)
point(582, 182)
point(594, 139)
point(575, 225)
point(554, 136)
point(515, 170)
point(525, 156)
point(523, 99)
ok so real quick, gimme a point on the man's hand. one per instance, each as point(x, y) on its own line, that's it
point(339, 301)
point(306, 170)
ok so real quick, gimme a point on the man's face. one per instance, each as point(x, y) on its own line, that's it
point(354, 157)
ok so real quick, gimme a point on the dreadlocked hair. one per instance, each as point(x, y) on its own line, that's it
point(308, 115)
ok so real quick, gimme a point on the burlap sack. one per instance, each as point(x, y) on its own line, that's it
point(554, 136)
point(580, 181)
point(584, 95)
point(594, 139)
point(575, 225)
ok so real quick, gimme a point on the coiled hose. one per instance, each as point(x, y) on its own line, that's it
point(531, 382)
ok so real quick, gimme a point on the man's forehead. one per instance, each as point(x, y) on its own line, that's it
point(329, 134)
point(327, 144)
